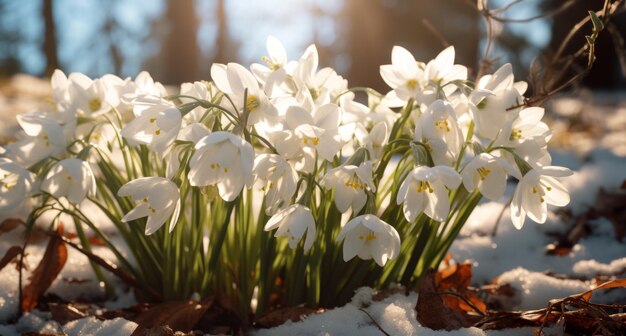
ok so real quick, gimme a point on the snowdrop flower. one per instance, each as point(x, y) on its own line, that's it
point(490, 102)
point(158, 199)
point(535, 190)
point(233, 80)
point(16, 184)
point(275, 71)
point(191, 133)
point(350, 183)
point(369, 237)
point(424, 190)
point(487, 173)
point(72, 178)
point(90, 98)
point(321, 86)
point(404, 74)
point(317, 132)
point(156, 126)
point(528, 136)
point(375, 140)
point(222, 159)
point(292, 222)
point(438, 126)
point(43, 138)
point(439, 72)
point(277, 179)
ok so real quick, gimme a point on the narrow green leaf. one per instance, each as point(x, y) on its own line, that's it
point(597, 23)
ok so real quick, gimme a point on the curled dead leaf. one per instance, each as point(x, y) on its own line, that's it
point(11, 253)
point(49, 267)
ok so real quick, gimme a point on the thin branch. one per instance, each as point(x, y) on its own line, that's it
point(374, 321)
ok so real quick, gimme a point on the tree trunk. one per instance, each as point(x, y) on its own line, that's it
point(181, 50)
point(50, 38)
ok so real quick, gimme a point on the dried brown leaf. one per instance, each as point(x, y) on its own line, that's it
point(49, 267)
point(431, 310)
point(9, 224)
point(456, 277)
point(63, 313)
point(178, 315)
point(12, 252)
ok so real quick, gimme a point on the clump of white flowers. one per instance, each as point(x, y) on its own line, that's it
point(283, 146)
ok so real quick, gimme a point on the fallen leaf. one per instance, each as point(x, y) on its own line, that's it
point(12, 252)
point(178, 315)
point(431, 310)
point(9, 224)
point(49, 267)
point(455, 276)
point(63, 313)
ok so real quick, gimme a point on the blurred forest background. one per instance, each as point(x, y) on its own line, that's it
point(178, 40)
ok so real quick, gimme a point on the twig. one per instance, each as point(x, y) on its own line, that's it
point(495, 227)
point(374, 321)
point(468, 302)
point(435, 32)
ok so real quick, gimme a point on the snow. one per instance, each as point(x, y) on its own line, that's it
point(39, 322)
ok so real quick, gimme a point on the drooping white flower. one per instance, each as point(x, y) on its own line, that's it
point(191, 133)
point(424, 190)
point(528, 136)
point(16, 184)
point(277, 179)
point(369, 237)
point(155, 126)
point(292, 222)
point(374, 140)
point(350, 183)
point(70, 178)
point(492, 99)
point(43, 137)
point(159, 199)
point(222, 159)
point(316, 131)
point(535, 190)
point(438, 128)
point(487, 173)
point(235, 81)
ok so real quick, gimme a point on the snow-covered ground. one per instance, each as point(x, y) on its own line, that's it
point(514, 257)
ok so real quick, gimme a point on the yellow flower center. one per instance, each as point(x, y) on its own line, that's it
point(157, 132)
point(314, 141)
point(443, 125)
point(411, 83)
point(516, 134)
point(355, 183)
point(315, 93)
point(95, 104)
point(369, 236)
point(424, 186)
point(252, 103)
point(273, 66)
point(541, 190)
point(216, 165)
point(152, 120)
point(483, 172)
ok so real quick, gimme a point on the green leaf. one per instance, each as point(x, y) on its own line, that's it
point(597, 23)
point(478, 148)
